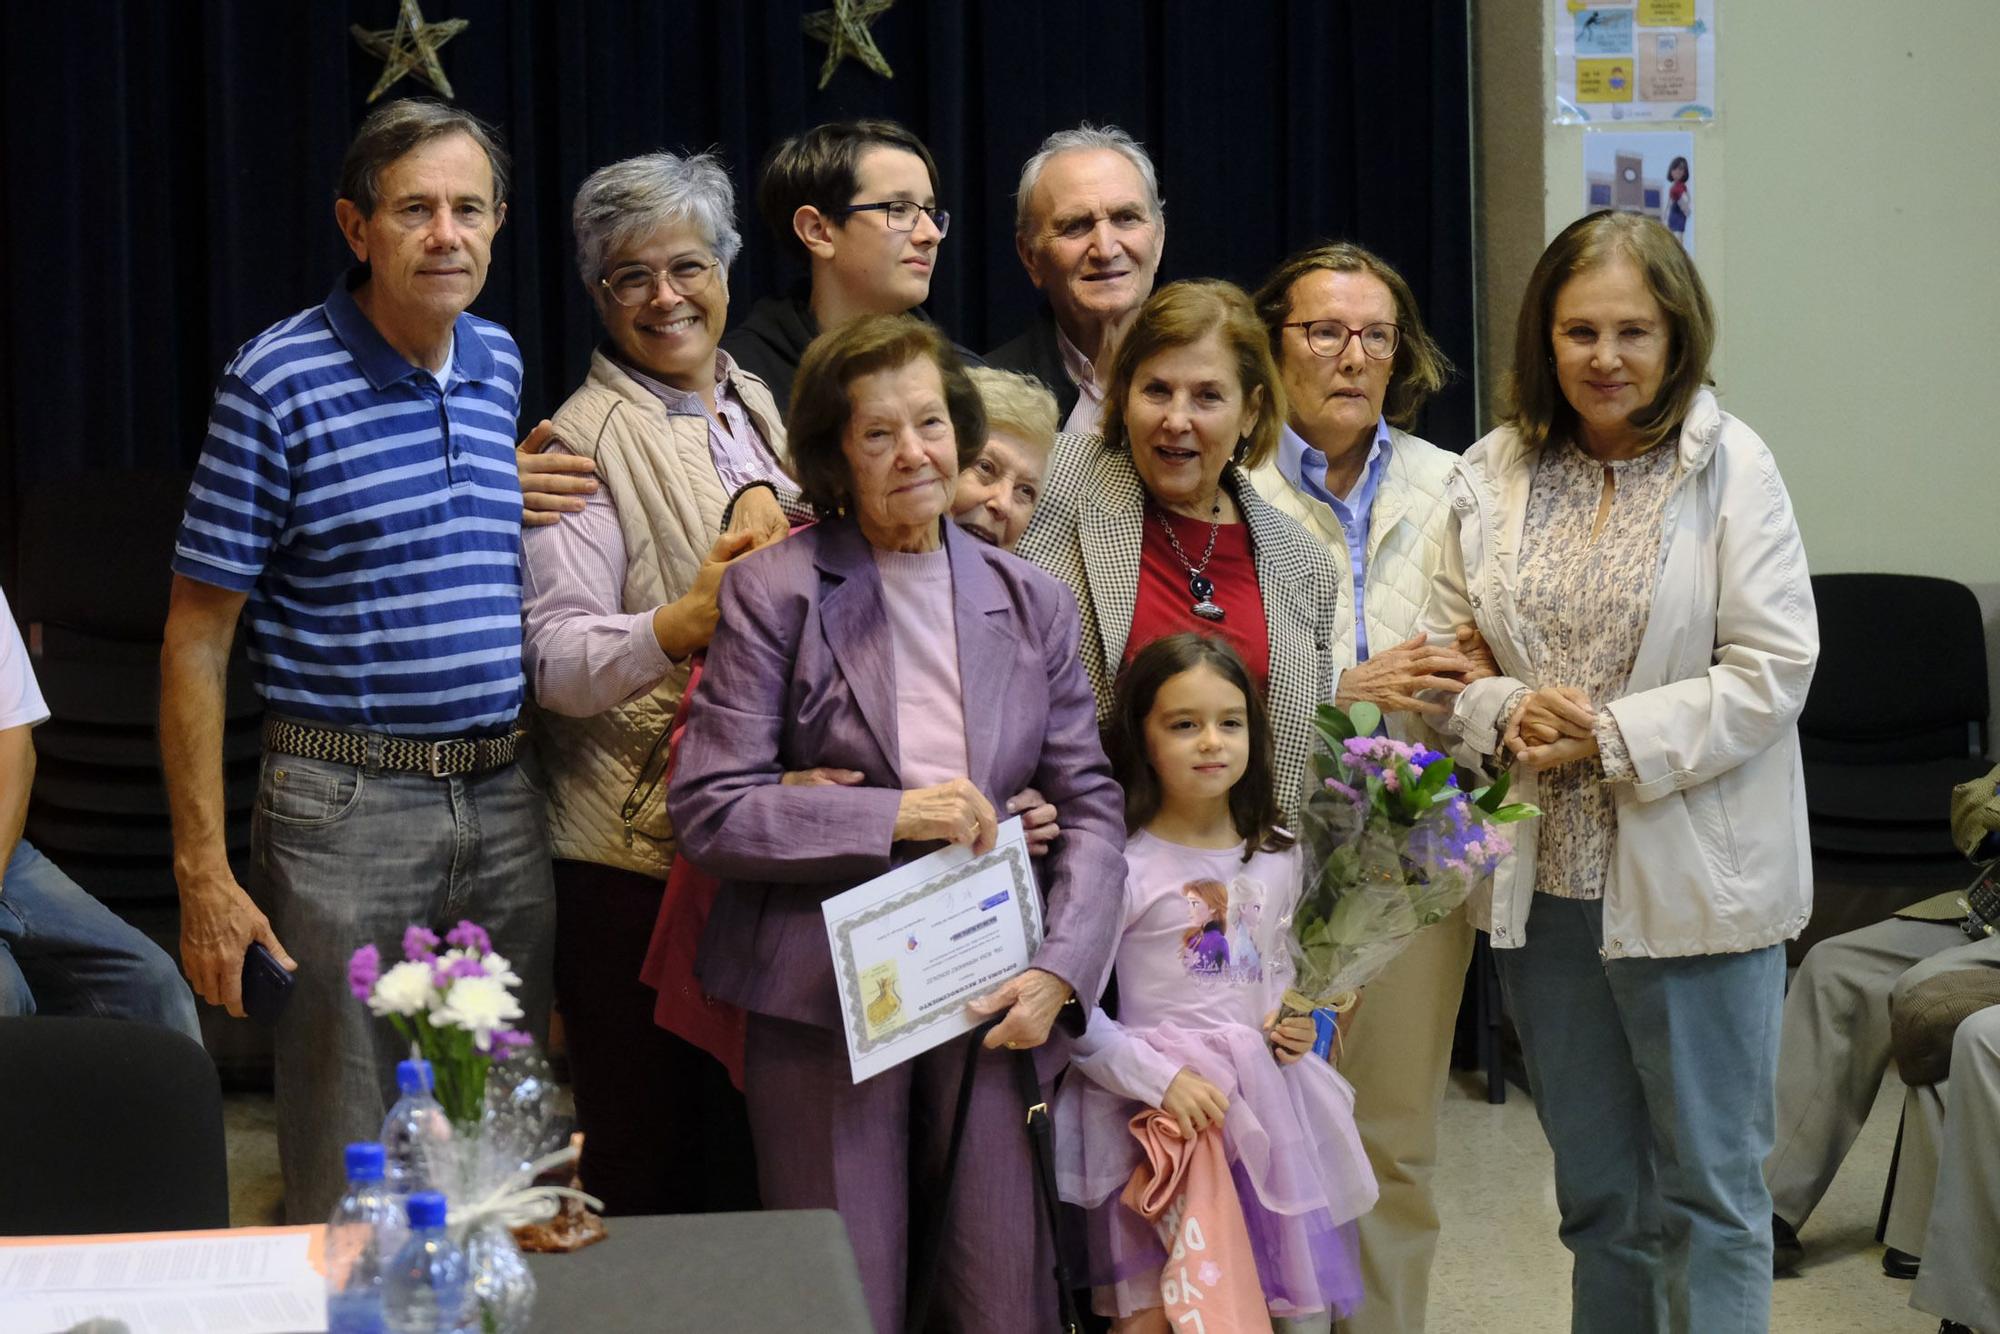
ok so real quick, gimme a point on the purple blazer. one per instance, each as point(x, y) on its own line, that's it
point(801, 673)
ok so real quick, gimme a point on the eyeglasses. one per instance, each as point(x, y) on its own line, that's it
point(1329, 338)
point(901, 215)
point(635, 284)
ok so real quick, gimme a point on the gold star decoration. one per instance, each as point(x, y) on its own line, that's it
point(410, 47)
point(844, 29)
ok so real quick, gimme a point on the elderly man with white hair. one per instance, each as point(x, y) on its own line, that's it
point(1089, 227)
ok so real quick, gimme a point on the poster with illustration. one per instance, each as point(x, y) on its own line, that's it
point(1642, 60)
point(1642, 171)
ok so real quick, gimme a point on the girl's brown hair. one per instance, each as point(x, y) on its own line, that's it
point(1253, 802)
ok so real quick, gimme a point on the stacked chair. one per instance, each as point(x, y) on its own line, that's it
point(1897, 717)
point(94, 576)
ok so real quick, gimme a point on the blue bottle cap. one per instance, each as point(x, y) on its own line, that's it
point(1325, 1027)
point(364, 1161)
point(426, 1209)
point(414, 1076)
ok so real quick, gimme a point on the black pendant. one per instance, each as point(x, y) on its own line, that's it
point(1203, 590)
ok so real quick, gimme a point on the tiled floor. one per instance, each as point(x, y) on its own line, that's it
point(1500, 1269)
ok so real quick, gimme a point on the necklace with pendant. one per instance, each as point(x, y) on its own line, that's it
point(1200, 587)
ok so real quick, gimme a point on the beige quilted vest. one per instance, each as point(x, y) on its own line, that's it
point(606, 801)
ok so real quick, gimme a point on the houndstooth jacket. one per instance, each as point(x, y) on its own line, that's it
point(1087, 532)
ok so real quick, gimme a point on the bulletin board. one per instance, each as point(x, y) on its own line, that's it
point(1634, 61)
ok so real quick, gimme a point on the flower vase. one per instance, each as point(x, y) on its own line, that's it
point(485, 1162)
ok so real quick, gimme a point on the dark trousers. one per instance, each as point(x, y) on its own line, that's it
point(664, 1131)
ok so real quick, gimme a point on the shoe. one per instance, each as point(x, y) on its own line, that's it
point(1786, 1252)
point(1953, 1327)
point(1900, 1264)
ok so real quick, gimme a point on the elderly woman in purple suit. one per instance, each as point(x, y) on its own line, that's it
point(941, 671)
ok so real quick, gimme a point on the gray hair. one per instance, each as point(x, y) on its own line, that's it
point(1084, 136)
point(628, 201)
point(401, 126)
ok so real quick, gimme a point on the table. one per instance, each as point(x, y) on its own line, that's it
point(712, 1273)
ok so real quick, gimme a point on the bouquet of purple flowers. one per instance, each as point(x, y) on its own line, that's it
point(1394, 838)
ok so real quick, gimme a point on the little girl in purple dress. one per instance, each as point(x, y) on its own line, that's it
point(1211, 879)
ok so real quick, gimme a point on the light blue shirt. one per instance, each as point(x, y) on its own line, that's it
point(1305, 468)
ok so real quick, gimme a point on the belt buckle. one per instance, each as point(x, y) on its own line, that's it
point(437, 760)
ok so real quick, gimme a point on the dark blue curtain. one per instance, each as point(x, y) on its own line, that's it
point(169, 165)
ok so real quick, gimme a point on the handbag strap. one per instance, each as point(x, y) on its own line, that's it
point(1041, 1140)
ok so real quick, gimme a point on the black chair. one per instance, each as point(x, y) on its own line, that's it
point(1897, 717)
point(115, 1126)
point(96, 551)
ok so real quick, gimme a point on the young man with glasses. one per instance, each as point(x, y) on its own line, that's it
point(1357, 365)
point(857, 201)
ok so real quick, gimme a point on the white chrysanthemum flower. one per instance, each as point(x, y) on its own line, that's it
point(499, 966)
point(403, 989)
point(479, 1005)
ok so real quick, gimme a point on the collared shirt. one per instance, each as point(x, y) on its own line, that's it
point(374, 518)
point(741, 455)
point(1305, 468)
point(1086, 417)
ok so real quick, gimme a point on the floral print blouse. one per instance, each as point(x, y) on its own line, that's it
point(1584, 604)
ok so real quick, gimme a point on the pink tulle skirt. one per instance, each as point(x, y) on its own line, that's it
point(1296, 1158)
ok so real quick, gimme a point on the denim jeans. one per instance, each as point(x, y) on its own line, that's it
point(348, 856)
point(1654, 1080)
point(63, 952)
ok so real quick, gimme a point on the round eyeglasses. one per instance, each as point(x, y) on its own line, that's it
point(635, 284)
point(901, 215)
point(1329, 338)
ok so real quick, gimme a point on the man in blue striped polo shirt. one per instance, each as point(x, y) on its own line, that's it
point(356, 505)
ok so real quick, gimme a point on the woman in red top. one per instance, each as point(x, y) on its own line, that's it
point(1155, 527)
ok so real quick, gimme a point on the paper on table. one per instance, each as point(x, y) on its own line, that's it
point(911, 947)
point(218, 1283)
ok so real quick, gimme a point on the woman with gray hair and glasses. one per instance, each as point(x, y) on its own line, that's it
point(617, 597)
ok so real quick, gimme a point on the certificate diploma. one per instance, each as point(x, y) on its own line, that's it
point(910, 948)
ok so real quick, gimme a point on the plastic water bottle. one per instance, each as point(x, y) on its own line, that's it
point(426, 1287)
point(1326, 1027)
point(365, 1231)
point(414, 1125)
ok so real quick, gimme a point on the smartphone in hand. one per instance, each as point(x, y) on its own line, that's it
point(267, 984)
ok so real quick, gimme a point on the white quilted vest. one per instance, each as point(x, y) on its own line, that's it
point(670, 502)
point(1406, 535)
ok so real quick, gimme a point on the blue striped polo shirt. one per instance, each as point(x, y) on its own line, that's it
point(374, 518)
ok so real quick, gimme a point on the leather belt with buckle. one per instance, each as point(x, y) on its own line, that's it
point(444, 758)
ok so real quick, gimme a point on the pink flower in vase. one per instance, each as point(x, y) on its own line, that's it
point(362, 970)
point(470, 936)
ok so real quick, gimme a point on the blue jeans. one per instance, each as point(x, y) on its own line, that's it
point(1655, 1083)
point(63, 952)
point(345, 857)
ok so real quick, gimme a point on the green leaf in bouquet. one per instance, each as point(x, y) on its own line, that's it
point(1446, 797)
point(1519, 810)
point(1434, 776)
point(1336, 726)
point(1364, 718)
point(1488, 798)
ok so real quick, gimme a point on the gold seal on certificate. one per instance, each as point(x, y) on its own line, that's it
point(910, 948)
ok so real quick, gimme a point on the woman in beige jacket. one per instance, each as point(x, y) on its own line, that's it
point(1628, 551)
point(617, 596)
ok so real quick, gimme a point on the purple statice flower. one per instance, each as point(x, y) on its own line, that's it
point(419, 943)
point(362, 970)
point(1338, 788)
point(470, 936)
point(507, 1041)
